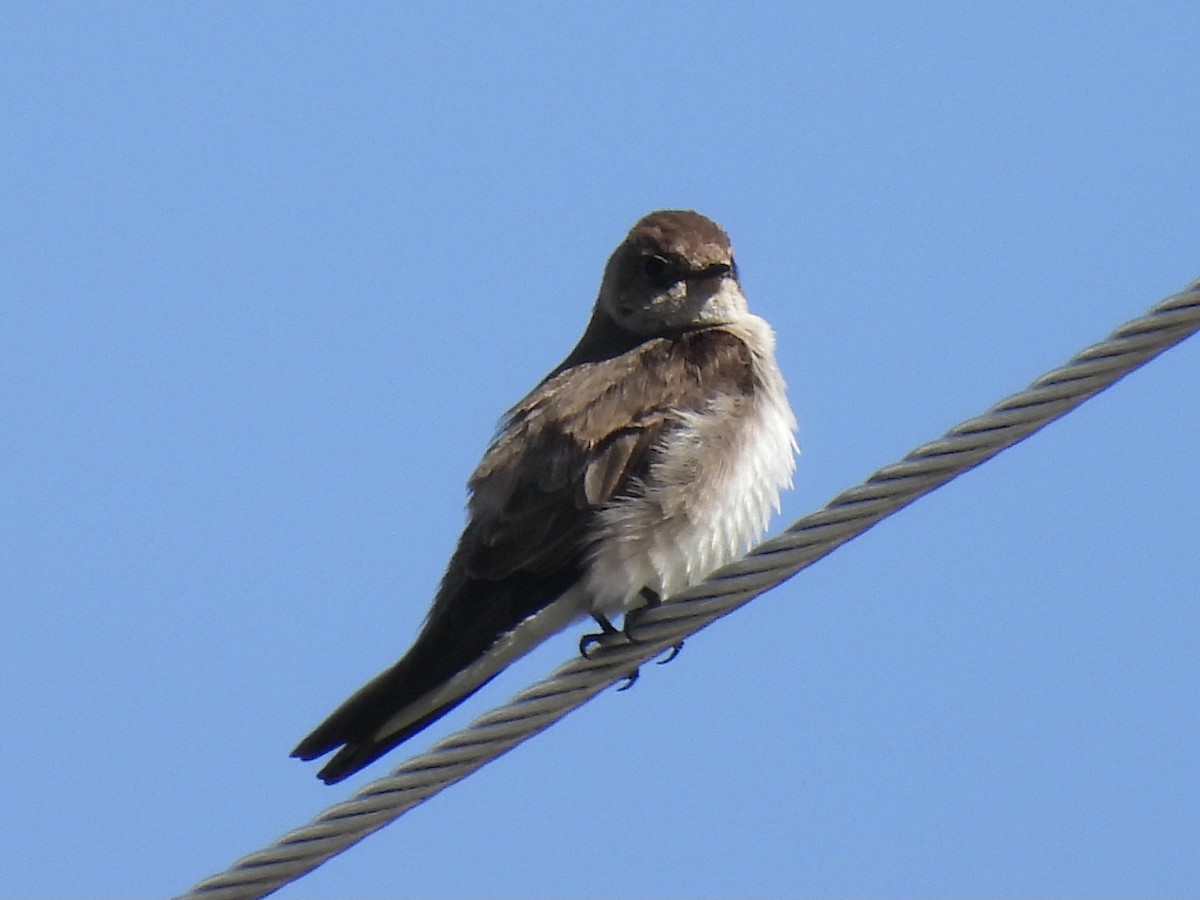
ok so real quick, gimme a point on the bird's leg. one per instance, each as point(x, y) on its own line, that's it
point(652, 599)
point(588, 641)
point(651, 596)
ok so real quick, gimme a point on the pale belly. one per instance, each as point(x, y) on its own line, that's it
point(710, 494)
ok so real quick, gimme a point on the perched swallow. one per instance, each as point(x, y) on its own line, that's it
point(651, 456)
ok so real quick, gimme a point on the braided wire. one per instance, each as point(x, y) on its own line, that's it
point(809, 539)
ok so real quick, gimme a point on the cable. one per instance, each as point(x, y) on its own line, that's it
point(816, 535)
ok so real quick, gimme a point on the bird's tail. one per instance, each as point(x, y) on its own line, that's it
point(452, 658)
point(358, 725)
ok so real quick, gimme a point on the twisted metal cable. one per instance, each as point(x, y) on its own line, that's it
point(816, 535)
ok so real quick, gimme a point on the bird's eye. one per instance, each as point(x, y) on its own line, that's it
point(716, 270)
point(659, 271)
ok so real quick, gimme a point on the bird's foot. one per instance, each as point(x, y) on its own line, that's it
point(652, 599)
point(597, 638)
point(607, 632)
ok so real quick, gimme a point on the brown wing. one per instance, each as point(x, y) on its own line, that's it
point(584, 437)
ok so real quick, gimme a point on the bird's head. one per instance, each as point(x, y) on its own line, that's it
point(673, 271)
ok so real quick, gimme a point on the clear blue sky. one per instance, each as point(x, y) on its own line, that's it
point(270, 273)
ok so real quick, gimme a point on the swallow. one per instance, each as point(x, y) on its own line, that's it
point(652, 455)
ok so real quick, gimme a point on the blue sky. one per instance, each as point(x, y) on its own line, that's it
point(271, 273)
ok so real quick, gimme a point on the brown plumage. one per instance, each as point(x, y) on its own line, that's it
point(662, 351)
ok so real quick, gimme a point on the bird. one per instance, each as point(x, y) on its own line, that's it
point(653, 454)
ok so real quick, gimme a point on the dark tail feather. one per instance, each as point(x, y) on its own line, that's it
point(463, 626)
point(352, 724)
point(449, 642)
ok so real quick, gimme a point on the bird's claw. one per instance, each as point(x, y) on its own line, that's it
point(588, 642)
point(597, 638)
point(670, 656)
point(630, 680)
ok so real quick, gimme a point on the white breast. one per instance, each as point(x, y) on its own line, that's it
point(709, 495)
